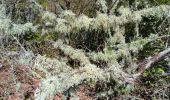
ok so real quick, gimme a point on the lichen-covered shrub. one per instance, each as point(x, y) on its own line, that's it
point(108, 49)
point(8, 27)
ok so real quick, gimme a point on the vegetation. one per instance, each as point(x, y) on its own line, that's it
point(84, 49)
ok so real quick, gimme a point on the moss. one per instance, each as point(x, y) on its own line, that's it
point(43, 3)
point(40, 38)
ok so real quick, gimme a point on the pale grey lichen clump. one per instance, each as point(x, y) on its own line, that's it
point(64, 77)
point(83, 22)
point(65, 80)
point(23, 28)
point(108, 56)
point(7, 27)
point(68, 22)
point(137, 45)
point(50, 66)
point(124, 11)
point(59, 76)
point(123, 51)
point(101, 22)
point(73, 53)
point(65, 22)
point(87, 71)
point(62, 26)
point(68, 15)
point(2, 11)
point(48, 18)
point(26, 58)
point(102, 4)
point(4, 21)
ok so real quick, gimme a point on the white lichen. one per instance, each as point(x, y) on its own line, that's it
point(102, 5)
point(50, 66)
point(101, 22)
point(75, 54)
point(62, 26)
point(136, 46)
point(62, 82)
point(83, 22)
point(23, 28)
point(68, 15)
point(48, 16)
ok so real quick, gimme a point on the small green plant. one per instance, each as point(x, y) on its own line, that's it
point(153, 76)
point(39, 37)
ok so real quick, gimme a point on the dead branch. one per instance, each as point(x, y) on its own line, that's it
point(149, 61)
